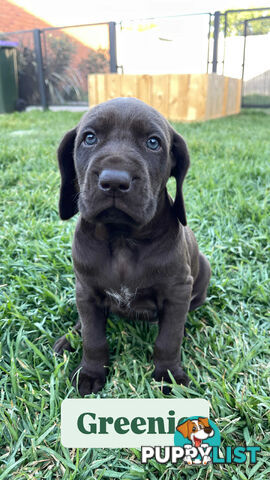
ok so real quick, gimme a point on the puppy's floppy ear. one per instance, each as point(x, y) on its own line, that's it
point(69, 185)
point(183, 429)
point(204, 421)
point(180, 164)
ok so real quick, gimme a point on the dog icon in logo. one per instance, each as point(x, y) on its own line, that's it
point(197, 431)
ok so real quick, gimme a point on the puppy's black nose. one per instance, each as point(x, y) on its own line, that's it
point(114, 181)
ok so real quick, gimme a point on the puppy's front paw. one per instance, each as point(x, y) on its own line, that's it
point(88, 381)
point(62, 344)
point(161, 374)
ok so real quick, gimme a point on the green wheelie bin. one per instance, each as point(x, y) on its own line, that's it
point(8, 77)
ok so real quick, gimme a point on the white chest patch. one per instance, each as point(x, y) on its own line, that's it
point(123, 298)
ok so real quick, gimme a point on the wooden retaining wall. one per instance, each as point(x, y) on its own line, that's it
point(185, 97)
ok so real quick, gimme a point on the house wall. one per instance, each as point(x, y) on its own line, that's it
point(14, 18)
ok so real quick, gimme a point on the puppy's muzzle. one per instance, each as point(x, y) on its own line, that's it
point(114, 181)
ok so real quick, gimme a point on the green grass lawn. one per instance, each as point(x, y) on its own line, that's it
point(226, 348)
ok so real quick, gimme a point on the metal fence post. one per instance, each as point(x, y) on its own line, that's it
point(225, 37)
point(244, 59)
point(112, 40)
point(244, 49)
point(216, 35)
point(40, 71)
point(209, 36)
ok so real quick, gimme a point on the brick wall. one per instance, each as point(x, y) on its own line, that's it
point(14, 18)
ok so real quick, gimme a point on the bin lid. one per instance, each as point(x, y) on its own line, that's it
point(6, 43)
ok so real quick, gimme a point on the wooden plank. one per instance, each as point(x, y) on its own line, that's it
point(183, 91)
point(128, 85)
point(113, 86)
point(225, 96)
point(239, 96)
point(144, 88)
point(177, 95)
point(92, 90)
point(215, 96)
point(197, 93)
point(160, 90)
point(232, 96)
point(101, 86)
point(173, 97)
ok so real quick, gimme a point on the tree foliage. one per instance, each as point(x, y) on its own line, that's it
point(96, 62)
point(65, 71)
point(235, 22)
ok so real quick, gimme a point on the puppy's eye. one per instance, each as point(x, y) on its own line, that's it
point(90, 139)
point(153, 143)
point(194, 429)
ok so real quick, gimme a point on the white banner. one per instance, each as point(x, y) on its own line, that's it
point(125, 423)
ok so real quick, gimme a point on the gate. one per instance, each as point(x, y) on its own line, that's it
point(256, 63)
point(69, 54)
point(53, 63)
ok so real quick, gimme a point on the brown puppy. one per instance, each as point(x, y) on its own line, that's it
point(132, 252)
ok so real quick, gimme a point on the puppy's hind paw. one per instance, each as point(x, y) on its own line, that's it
point(62, 344)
